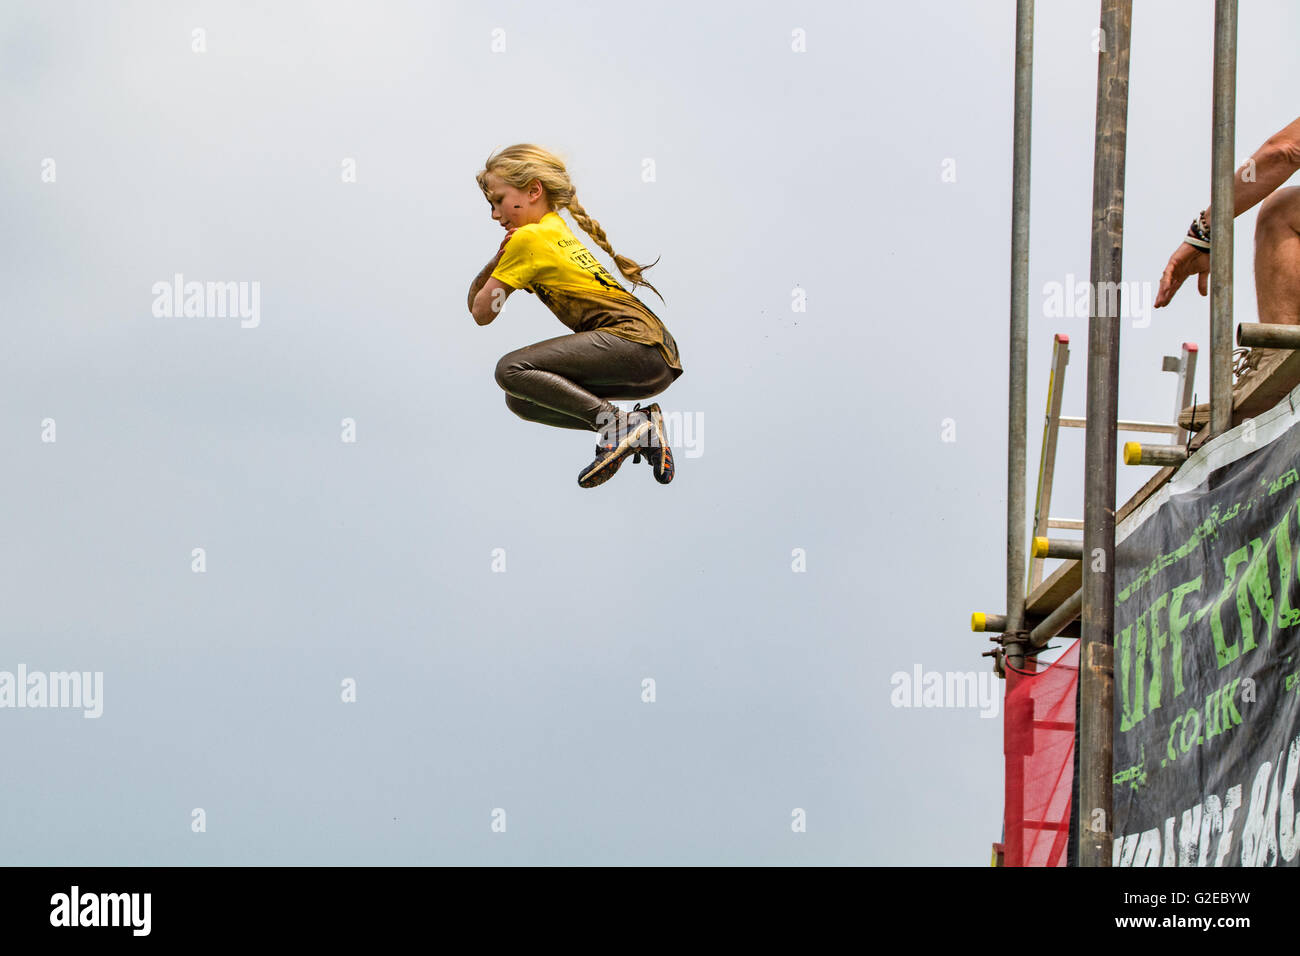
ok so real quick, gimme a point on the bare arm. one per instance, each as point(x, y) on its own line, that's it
point(490, 300)
point(495, 290)
point(1269, 167)
point(479, 280)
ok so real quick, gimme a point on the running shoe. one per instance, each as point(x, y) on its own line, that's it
point(629, 432)
point(657, 453)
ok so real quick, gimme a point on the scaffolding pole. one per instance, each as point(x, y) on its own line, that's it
point(1093, 813)
point(1017, 403)
point(1222, 214)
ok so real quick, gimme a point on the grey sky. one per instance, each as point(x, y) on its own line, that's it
point(326, 560)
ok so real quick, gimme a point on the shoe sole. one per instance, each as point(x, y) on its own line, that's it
point(601, 471)
point(661, 458)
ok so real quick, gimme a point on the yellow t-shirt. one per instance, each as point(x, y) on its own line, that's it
point(545, 258)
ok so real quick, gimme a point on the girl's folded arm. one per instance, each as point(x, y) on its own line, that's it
point(490, 299)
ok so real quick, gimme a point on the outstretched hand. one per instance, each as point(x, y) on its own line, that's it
point(509, 233)
point(1187, 260)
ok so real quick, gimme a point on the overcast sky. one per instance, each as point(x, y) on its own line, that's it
point(777, 175)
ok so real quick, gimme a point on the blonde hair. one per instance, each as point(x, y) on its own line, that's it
point(520, 164)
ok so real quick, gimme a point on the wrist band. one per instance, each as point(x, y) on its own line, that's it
point(1198, 233)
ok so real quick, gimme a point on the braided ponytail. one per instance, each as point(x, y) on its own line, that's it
point(629, 269)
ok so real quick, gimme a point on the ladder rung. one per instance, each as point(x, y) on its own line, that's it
point(1158, 427)
point(1065, 524)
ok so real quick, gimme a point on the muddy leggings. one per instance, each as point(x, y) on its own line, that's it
point(568, 381)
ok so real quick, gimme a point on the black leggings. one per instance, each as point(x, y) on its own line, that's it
point(567, 381)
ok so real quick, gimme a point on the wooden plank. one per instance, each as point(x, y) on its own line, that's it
point(1051, 594)
point(1154, 484)
point(1262, 392)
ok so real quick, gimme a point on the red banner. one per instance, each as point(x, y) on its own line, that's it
point(1038, 740)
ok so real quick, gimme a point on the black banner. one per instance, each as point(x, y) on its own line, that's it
point(1207, 669)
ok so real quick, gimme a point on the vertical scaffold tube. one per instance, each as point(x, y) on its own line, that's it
point(1017, 401)
point(1222, 214)
point(1096, 677)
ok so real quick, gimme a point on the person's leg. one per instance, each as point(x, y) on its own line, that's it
point(575, 376)
point(1277, 257)
point(532, 412)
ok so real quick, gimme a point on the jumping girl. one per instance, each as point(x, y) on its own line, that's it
point(619, 349)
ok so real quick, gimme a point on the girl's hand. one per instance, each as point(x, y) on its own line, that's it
point(509, 233)
point(1187, 260)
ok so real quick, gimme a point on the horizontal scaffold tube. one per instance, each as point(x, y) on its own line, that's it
point(1136, 453)
point(1268, 335)
point(1058, 548)
point(982, 623)
point(1058, 620)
